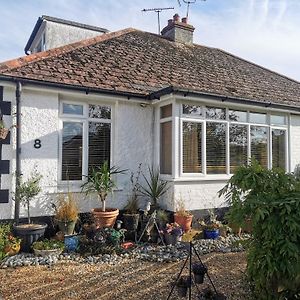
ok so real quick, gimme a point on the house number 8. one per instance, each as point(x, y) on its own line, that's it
point(37, 144)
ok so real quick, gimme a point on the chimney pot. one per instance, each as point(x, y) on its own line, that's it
point(184, 20)
point(176, 18)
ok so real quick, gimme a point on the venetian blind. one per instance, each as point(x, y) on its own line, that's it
point(192, 147)
point(166, 148)
point(237, 146)
point(215, 148)
point(259, 144)
point(72, 151)
point(278, 148)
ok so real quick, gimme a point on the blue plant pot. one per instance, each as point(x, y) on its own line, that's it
point(71, 243)
point(211, 234)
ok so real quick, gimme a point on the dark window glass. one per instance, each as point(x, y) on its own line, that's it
point(99, 144)
point(166, 111)
point(166, 148)
point(192, 147)
point(72, 109)
point(238, 146)
point(215, 113)
point(278, 148)
point(259, 144)
point(193, 110)
point(237, 116)
point(215, 148)
point(99, 112)
point(72, 151)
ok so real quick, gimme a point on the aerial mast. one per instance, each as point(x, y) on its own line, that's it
point(158, 11)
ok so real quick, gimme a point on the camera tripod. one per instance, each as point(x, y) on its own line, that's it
point(191, 279)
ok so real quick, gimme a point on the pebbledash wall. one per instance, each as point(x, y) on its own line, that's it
point(134, 140)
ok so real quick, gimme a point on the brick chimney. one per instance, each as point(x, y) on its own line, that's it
point(179, 31)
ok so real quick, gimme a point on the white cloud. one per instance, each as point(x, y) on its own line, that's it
point(264, 31)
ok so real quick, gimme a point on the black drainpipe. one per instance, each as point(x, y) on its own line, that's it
point(18, 150)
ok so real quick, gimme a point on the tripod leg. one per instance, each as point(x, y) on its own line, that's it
point(190, 271)
point(173, 287)
point(207, 271)
point(161, 237)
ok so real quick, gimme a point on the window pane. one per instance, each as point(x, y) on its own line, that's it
point(192, 152)
point(72, 151)
point(99, 144)
point(72, 109)
point(215, 148)
point(166, 148)
point(238, 146)
point(99, 112)
point(237, 116)
point(278, 120)
point(258, 118)
point(166, 111)
point(259, 144)
point(193, 110)
point(278, 148)
point(215, 113)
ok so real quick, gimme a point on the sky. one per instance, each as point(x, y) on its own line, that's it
point(266, 32)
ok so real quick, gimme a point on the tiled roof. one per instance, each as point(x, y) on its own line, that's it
point(141, 63)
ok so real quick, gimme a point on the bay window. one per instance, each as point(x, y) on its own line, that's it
point(85, 138)
point(217, 140)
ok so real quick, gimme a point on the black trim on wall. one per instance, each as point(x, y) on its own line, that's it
point(5, 109)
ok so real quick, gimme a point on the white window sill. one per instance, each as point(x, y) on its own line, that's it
point(197, 178)
point(75, 187)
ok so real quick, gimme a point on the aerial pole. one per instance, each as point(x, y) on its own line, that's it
point(158, 11)
point(188, 2)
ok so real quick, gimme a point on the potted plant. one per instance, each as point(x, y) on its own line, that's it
point(172, 233)
point(131, 215)
point(9, 244)
point(199, 271)
point(100, 180)
point(30, 232)
point(162, 218)
point(183, 217)
point(154, 187)
point(3, 131)
point(182, 285)
point(211, 231)
point(66, 213)
point(48, 247)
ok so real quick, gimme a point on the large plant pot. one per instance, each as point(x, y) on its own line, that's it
point(29, 233)
point(67, 228)
point(184, 221)
point(211, 234)
point(105, 218)
point(131, 221)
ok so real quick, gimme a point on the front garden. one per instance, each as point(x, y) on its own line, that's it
point(140, 251)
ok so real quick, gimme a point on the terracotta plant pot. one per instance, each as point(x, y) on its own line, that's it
point(184, 221)
point(105, 218)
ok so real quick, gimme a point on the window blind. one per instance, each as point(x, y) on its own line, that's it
point(72, 151)
point(278, 148)
point(259, 144)
point(166, 148)
point(99, 144)
point(192, 147)
point(215, 148)
point(237, 146)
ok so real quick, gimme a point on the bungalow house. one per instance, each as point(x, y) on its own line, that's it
point(134, 97)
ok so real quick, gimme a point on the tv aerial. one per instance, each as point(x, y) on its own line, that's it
point(158, 11)
point(188, 2)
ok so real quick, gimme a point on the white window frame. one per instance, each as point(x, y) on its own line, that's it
point(202, 119)
point(84, 119)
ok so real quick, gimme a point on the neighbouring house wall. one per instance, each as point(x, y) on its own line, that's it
point(295, 141)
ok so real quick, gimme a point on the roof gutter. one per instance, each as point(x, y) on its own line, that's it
point(72, 87)
point(187, 92)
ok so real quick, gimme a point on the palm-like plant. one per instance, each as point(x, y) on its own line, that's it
point(100, 180)
point(154, 187)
